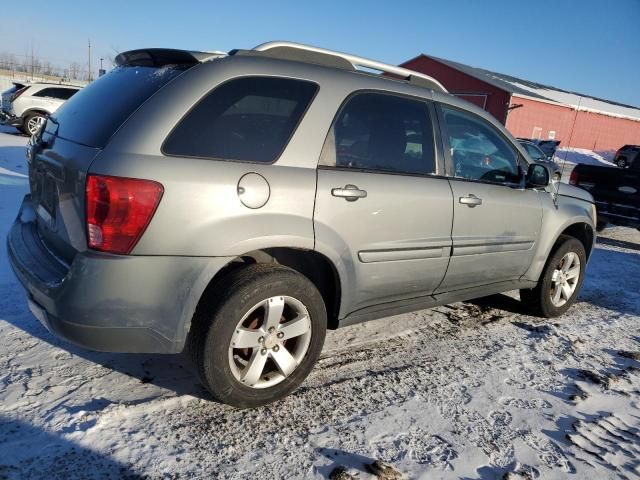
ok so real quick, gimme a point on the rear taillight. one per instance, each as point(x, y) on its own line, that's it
point(573, 178)
point(118, 211)
point(18, 93)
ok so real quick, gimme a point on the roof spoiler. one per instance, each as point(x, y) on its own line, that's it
point(160, 57)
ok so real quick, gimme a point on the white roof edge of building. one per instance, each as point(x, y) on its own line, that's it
point(575, 107)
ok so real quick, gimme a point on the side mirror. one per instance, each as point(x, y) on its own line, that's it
point(538, 176)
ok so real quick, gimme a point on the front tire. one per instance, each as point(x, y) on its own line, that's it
point(560, 281)
point(260, 335)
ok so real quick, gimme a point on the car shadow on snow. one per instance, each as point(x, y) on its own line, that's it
point(602, 285)
point(11, 131)
point(501, 302)
point(170, 372)
point(13, 169)
point(57, 457)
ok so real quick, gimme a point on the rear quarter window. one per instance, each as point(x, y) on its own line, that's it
point(246, 119)
point(93, 114)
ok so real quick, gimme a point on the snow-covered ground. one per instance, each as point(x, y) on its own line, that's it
point(568, 158)
point(474, 390)
point(574, 156)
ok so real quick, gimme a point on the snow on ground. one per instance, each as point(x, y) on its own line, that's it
point(573, 156)
point(474, 390)
point(568, 158)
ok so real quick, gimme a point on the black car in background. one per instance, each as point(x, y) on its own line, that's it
point(616, 192)
point(627, 156)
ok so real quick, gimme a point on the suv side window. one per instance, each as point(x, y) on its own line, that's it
point(382, 132)
point(45, 92)
point(53, 92)
point(248, 119)
point(478, 150)
point(65, 93)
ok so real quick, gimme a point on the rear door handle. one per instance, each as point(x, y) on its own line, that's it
point(350, 193)
point(470, 200)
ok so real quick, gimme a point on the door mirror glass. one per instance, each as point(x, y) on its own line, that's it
point(537, 176)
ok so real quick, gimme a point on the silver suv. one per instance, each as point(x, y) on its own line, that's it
point(238, 205)
point(26, 106)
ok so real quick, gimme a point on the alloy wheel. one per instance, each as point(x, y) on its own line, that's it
point(564, 280)
point(269, 342)
point(35, 123)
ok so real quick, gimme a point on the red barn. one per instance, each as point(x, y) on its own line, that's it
point(532, 110)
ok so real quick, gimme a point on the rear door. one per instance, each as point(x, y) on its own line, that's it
point(8, 95)
point(496, 221)
point(69, 142)
point(380, 204)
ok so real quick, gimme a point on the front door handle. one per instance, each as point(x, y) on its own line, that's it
point(470, 200)
point(350, 193)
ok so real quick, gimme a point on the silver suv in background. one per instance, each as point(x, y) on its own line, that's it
point(239, 205)
point(26, 106)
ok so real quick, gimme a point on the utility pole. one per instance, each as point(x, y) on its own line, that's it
point(89, 59)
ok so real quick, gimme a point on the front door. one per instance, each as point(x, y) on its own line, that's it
point(380, 207)
point(496, 221)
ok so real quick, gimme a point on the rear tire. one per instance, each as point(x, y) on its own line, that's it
point(33, 122)
point(622, 163)
point(558, 287)
point(274, 354)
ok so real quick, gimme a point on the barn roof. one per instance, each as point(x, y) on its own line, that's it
point(541, 92)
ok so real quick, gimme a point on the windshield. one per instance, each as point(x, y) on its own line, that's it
point(534, 152)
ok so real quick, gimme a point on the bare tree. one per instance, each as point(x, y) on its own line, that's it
point(74, 71)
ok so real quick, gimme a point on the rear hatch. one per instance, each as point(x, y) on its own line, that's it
point(9, 95)
point(61, 154)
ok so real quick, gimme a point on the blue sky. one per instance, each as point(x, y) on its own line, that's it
point(589, 46)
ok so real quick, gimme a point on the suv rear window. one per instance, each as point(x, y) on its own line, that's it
point(93, 114)
point(248, 119)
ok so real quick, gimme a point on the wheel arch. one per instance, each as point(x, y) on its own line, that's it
point(30, 111)
point(318, 268)
point(581, 231)
point(580, 228)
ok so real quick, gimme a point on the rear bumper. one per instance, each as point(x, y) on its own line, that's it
point(136, 304)
point(9, 119)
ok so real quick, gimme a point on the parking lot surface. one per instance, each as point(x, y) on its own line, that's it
point(470, 390)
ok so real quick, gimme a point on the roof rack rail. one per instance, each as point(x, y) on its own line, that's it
point(355, 61)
